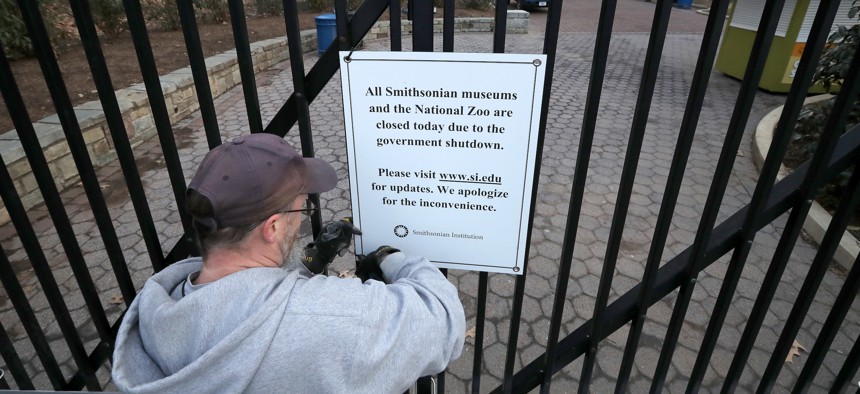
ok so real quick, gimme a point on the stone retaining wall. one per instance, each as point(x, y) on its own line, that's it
point(181, 100)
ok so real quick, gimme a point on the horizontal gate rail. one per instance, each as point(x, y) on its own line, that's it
point(813, 182)
point(793, 194)
point(740, 115)
point(672, 274)
point(326, 66)
point(816, 173)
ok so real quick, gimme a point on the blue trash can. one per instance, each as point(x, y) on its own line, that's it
point(684, 4)
point(326, 31)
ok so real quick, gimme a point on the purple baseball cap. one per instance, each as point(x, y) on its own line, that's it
point(254, 176)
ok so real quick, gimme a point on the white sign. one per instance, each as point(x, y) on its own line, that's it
point(441, 153)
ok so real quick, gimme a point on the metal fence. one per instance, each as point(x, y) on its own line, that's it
point(677, 277)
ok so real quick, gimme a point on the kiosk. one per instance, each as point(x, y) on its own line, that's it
point(792, 31)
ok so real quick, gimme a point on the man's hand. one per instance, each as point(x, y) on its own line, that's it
point(333, 240)
point(368, 266)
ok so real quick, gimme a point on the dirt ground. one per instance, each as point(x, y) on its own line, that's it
point(169, 51)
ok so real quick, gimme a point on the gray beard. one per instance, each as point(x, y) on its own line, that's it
point(291, 258)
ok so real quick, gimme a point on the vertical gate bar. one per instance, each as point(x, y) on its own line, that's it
point(656, 40)
point(597, 74)
point(513, 337)
point(25, 311)
point(119, 136)
point(98, 356)
point(828, 331)
point(807, 293)
point(160, 116)
point(17, 212)
point(422, 26)
point(595, 89)
point(13, 361)
point(817, 169)
point(734, 135)
point(448, 25)
point(549, 49)
point(483, 277)
point(440, 377)
point(849, 369)
point(198, 71)
point(448, 46)
point(480, 317)
point(16, 293)
point(341, 17)
point(695, 99)
point(440, 382)
point(394, 29)
point(297, 65)
point(65, 111)
point(514, 331)
point(672, 274)
point(326, 66)
point(422, 41)
point(820, 264)
point(583, 156)
point(500, 26)
point(246, 65)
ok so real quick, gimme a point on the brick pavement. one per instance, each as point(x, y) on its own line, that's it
point(565, 118)
point(581, 16)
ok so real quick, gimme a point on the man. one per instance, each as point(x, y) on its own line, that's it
point(235, 320)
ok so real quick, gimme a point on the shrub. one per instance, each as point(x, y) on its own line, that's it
point(477, 4)
point(162, 14)
point(13, 34)
point(212, 10)
point(269, 7)
point(833, 65)
point(109, 16)
point(832, 69)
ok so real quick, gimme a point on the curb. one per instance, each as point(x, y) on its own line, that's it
point(818, 219)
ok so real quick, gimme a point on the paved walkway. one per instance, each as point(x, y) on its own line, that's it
point(565, 119)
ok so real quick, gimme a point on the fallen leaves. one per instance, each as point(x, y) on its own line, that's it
point(796, 347)
point(345, 274)
point(470, 333)
point(117, 299)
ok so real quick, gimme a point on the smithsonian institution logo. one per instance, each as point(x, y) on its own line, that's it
point(402, 231)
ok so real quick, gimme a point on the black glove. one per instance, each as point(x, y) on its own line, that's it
point(368, 266)
point(333, 240)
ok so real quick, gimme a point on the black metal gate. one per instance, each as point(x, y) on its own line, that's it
point(86, 315)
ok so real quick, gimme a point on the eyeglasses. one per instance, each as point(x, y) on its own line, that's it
point(305, 211)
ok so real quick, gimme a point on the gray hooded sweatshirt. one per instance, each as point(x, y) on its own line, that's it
point(273, 330)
